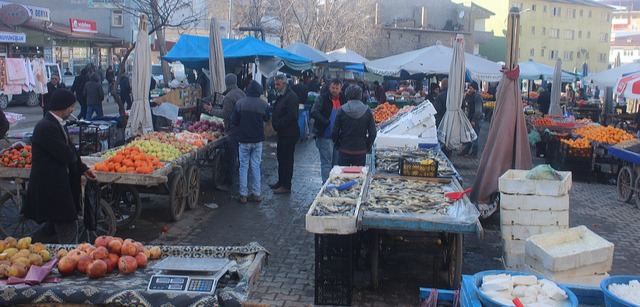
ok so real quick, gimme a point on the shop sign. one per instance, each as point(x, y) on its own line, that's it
point(10, 37)
point(38, 13)
point(14, 14)
point(81, 25)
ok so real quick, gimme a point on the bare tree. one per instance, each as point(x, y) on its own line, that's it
point(162, 14)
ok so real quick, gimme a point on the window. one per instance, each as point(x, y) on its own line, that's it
point(555, 12)
point(553, 54)
point(628, 52)
point(542, 52)
point(533, 30)
point(566, 56)
point(569, 34)
point(579, 34)
point(590, 14)
point(588, 34)
point(544, 31)
point(533, 7)
point(555, 33)
point(581, 12)
point(605, 17)
point(602, 58)
point(532, 52)
point(117, 19)
point(544, 8)
point(578, 55)
point(571, 13)
point(604, 37)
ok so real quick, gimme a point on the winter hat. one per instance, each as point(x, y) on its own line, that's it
point(254, 89)
point(474, 84)
point(230, 79)
point(353, 92)
point(61, 99)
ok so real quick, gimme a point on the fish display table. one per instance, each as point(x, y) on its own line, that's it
point(131, 290)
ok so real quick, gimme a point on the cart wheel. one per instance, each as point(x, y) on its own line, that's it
point(637, 192)
point(219, 175)
point(12, 223)
point(125, 204)
point(106, 224)
point(454, 260)
point(626, 182)
point(177, 190)
point(192, 176)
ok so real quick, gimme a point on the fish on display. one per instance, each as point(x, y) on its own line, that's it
point(387, 160)
point(324, 208)
point(393, 195)
point(339, 187)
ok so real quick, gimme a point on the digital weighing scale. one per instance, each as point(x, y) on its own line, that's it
point(188, 275)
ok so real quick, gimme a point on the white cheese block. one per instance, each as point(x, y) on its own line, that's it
point(526, 280)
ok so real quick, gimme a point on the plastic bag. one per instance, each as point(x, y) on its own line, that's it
point(534, 137)
point(543, 172)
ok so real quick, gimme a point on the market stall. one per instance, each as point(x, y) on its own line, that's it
point(628, 184)
point(235, 286)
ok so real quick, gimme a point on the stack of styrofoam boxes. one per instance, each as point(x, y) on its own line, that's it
point(529, 207)
point(411, 128)
point(572, 256)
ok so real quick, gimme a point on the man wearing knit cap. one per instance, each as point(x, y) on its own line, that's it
point(475, 115)
point(53, 194)
point(231, 95)
point(354, 129)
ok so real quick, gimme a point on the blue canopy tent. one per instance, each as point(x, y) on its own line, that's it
point(247, 49)
point(193, 51)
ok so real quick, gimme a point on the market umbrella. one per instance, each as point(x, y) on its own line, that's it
point(609, 77)
point(216, 58)
point(455, 128)
point(628, 86)
point(507, 145)
point(532, 70)
point(140, 122)
point(556, 85)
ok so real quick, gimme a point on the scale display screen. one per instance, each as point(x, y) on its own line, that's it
point(199, 275)
point(167, 283)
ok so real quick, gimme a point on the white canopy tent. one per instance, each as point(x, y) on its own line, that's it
point(435, 59)
point(533, 71)
point(609, 78)
point(346, 56)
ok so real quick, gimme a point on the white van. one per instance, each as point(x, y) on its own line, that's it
point(31, 99)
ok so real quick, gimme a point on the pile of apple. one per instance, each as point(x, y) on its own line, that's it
point(205, 126)
point(17, 256)
point(168, 139)
point(104, 256)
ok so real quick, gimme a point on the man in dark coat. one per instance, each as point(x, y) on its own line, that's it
point(125, 91)
point(544, 100)
point(440, 103)
point(53, 195)
point(4, 124)
point(110, 75)
point(53, 84)
point(78, 88)
point(324, 112)
point(474, 113)
point(285, 123)
point(354, 129)
point(95, 95)
point(231, 95)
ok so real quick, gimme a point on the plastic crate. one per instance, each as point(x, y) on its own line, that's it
point(93, 139)
point(569, 151)
point(334, 269)
point(418, 169)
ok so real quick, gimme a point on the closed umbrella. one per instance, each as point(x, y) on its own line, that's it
point(455, 128)
point(140, 116)
point(554, 107)
point(216, 58)
point(507, 144)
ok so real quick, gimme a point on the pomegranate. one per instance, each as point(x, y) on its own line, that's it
point(128, 240)
point(141, 258)
point(76, 254)
point(100, 253)
point(89, 250)
point(96, 269)
point(139, 246)
point(83, 262)
point(155, 253)
point(110, 265)
point(118, 239)
point(114, 246)
point(102, 241)
point(84, 246)
point(127, 265)
point(66, 266)
point(128, 249)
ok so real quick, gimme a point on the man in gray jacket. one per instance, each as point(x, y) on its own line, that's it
point(474, 113)
point(231, 96)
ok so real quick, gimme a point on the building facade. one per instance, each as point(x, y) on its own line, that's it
point(625, 31)
point(407, 25)
point(576, 31)
point(71, 33)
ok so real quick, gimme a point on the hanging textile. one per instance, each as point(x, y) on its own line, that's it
point(16, 76)
point(3, 74)
point(40, 76)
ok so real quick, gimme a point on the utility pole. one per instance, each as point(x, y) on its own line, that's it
point(230, 18)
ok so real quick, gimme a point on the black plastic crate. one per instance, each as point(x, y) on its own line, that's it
point(418, 169)
point(569, 151)
point(581, 168)
point(334, 269)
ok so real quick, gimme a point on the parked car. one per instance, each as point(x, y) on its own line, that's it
point(31, 99)
point(156, 72)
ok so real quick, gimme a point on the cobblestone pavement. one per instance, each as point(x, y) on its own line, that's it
point(278, 224)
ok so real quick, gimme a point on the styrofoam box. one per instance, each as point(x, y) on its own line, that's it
point(592, 280)
point(515, 182)
point(513, 261)
point(585, 270)
point(534, 218)
point(514, 246)
point(522, 232)
point(341, 225)
point(534, 202)
point(571, 248)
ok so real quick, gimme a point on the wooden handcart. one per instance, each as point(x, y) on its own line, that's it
point(628, 183)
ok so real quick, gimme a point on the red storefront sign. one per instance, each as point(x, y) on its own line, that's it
point(82, 25)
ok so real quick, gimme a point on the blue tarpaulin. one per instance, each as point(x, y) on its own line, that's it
point(193, 52)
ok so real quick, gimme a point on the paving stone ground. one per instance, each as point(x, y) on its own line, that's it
point(406, 261)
